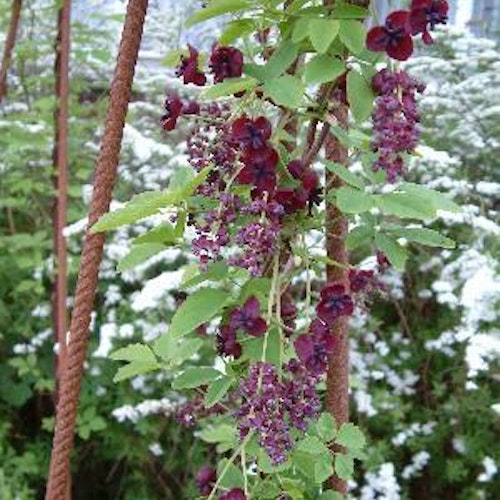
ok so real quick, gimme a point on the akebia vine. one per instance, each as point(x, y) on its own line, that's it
point(251, 211)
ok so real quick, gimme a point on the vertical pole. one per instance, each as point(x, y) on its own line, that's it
point(9, 45)
point(60, 156)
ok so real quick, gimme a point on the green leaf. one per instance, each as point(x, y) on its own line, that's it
point(216, 271)
point(350, 436)
point(322, 32)
point(236, 29)
point(353, 201)
point(345, 174)
point(138, 254)
point(217, 8)
point(349, 11)
point(344, 466)
point(421, 235)
point(405, 205)
point(396, 254)
point(133, 369)
point(221, 433)
point(134, 352)
point(139, 207)
point(360, 96)
point(230, 86)
point(198, 308)
point(280, 61)
point(217, 390)
point(326, 427)
point(300, 29)
point(359, 236)
point(252, 348)
point(313, 446)
point(323, 469)
point(438, 200)
point(353, 35)
point(174, 350)
point(195, 376)
point(161, 234)
point(331, 495)
point(287, 90)
point(173, 57)
point(322, 69)
point(233, 477)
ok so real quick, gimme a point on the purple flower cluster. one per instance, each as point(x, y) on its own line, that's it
point(395, 120)
point(212, 229)
point(272, 407)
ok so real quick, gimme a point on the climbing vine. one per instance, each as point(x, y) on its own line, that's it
point(251, 208)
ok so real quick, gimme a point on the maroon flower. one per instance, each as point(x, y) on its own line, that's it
point(226, 62)
point(188, 68)
point(173, 109)
point(393, 38)
point(360, 280)
point(234, 494)
point(296, 168)
point(425, 15)
point(226, 342)
point(251, 133)
point(248, 318)
point(314, 348)
point(205, 479)
point(292, 200)
point(260, 169)
point(334, 303)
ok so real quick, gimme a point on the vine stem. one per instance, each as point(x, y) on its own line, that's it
point(9, 45)
point(231, 459)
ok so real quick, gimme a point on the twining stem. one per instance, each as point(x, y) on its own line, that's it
point(231, 459)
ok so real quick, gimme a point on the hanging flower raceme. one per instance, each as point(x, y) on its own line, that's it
point(425, 15)
point(260, 169)
point(394, 37)
point(395, 120)
point(188, 69)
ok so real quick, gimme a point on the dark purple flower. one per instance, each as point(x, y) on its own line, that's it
point(314, 348)
point(334, 303)
point(260, 169)
point(251, 133)
point(425, 15)
point(226, 62)
point(393, 38)
point(173, 109)
point(296, 168)
point(360, 280)
point(205, 479)
point(248, 318)
point(227, 343)
point(188, 68)
point(234, 494)
point(292, 200)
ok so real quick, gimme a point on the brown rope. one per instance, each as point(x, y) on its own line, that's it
point(104, 180)
point(9, 45)
point(61, 183)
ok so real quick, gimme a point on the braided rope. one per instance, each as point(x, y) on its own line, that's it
point(105, 176)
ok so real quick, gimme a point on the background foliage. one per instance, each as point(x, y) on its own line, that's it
point(423, 363)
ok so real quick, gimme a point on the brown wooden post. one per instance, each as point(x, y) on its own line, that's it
point(60, 156)
point(9, 45)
